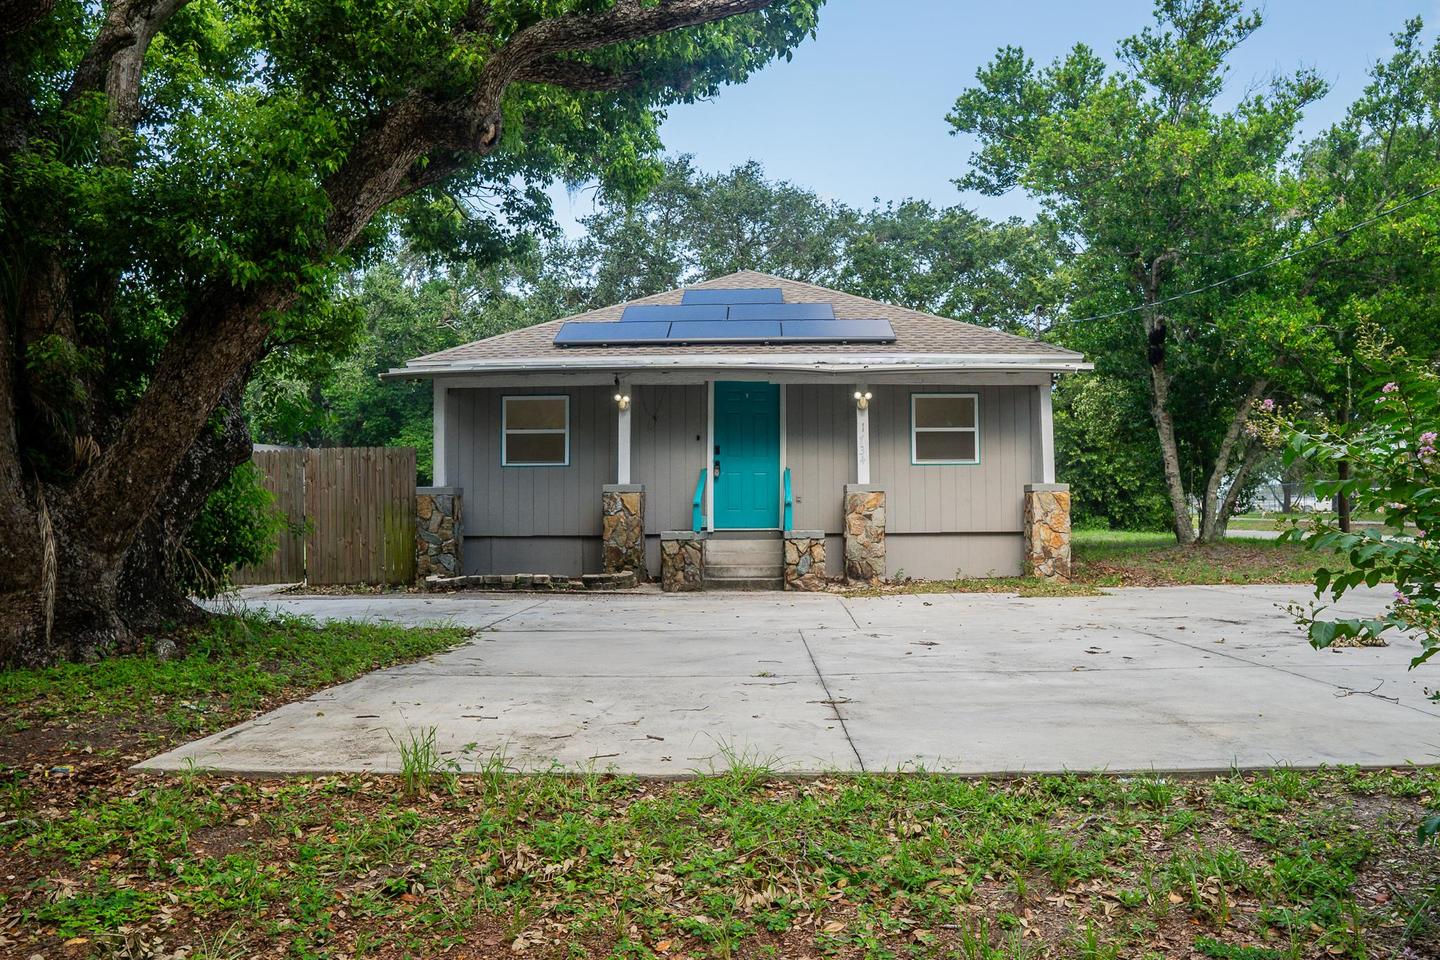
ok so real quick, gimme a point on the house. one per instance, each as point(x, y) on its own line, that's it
point(711, 434)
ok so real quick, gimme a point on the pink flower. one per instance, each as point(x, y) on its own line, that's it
point(1267, 405)
point(1400, 599)
point(1390, 387)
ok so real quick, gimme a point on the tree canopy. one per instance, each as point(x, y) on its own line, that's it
point(186, 184)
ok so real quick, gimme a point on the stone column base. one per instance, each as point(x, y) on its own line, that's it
point(622, 532)
point(682, 561)
point(439, 532)
point(805, 560)
point(864, 532)
point(1047, 531)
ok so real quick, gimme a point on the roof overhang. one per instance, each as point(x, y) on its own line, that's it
point(838, 364)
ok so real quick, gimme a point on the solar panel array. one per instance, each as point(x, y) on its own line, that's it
point(724, 316)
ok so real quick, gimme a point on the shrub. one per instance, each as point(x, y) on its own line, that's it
point(1395, 472)
point(239, 526)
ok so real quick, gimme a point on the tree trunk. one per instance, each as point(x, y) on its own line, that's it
point(1160, 413)
point(1342, 500)
point(77, 602)
point(1232, 496)
point(1212, 515)
point(89, 540)
point(158, 563)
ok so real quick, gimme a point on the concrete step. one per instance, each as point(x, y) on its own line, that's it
point(744, 563)
point(744, 583)
point(764, 570)
point(734, 551)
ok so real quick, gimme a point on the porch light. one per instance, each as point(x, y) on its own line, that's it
point(623, 400)
point(862, 400)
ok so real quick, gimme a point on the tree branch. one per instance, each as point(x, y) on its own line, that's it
point(116, 57)
point(225, 329)
point(577, 75)
point(17, 16)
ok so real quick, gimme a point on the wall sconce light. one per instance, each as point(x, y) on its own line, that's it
point(862, 400)
point(623, 401)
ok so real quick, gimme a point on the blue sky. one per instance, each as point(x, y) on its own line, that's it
point(859, 113)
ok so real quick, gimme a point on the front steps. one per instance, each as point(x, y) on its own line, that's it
point(744, 562)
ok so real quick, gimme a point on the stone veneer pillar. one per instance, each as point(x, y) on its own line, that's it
point(1047, 531)
point(682, 561)
point(622, 531)
point(805, 560)
point(439, 532)
point(864, 532)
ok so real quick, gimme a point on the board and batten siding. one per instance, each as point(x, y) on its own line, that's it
point(956, 498)
point(930, 498)
point(558, 501)
point(819, 452)
point(941, 518)
point(547, 519)
point(667, 453)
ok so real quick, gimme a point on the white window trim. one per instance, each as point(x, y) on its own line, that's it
point(505, 430)
point(915, 459)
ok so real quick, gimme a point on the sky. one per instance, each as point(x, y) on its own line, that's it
point(859, 113)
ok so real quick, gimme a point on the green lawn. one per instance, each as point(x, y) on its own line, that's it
point(1125, 558)
point(738, 864)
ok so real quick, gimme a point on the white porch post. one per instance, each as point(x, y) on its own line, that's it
point(438, 423)
point(862, 435)
point(1047, 435)
point(709, 463)
point(622, 432)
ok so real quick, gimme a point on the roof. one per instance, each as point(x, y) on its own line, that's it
point(922, 340)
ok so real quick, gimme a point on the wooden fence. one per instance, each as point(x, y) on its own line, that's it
point(352, 510)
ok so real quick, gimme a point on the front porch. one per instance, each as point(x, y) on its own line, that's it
point(813, 476)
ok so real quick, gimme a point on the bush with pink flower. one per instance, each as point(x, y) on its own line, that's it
point(1395, 473)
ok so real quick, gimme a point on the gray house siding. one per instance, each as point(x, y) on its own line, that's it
point(956, 498)
point(555, 511)
point(820, 452)
point(667, 426)
point(941, 519)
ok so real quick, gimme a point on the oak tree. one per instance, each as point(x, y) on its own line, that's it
point(183, 182)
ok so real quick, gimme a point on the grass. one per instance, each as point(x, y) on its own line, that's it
point(1115, 558)
point(735, 863)
point(1125, 558)
point(225, 673)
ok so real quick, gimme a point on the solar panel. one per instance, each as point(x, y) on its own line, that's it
point(580, 333)
point(673, 311)
point(831, 331)
point(727, 331)
point(782, 311)
point(753, 295)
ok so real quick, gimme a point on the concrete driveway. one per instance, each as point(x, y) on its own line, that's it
point(1177, 679)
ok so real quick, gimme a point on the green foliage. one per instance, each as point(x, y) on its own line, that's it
point(1105, 449)
point(690, 226)
point(238, 527)
point(1396, 473)
point(1160, 190)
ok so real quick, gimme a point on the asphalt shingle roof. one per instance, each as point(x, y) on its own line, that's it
point(916, 333)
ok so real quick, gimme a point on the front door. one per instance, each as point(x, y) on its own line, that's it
point(746, 466)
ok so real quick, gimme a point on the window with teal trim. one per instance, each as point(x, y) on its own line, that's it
point(535, 431)
point(944, 428)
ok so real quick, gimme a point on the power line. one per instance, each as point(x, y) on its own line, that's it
point(1338, 235)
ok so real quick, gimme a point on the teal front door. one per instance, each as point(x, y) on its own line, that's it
point(746, 468)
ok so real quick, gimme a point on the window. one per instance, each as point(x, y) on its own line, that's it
point(944, 428)
point(535, 431)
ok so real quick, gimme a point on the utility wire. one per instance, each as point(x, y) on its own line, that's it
point(1338, 235)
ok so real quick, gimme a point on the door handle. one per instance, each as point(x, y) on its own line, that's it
point(717, 469)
